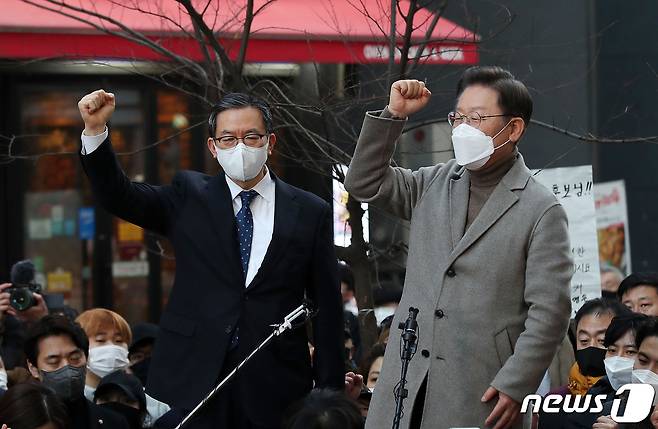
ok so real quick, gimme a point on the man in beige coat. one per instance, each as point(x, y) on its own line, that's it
point(489, 258)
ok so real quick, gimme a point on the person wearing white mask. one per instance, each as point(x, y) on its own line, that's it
point(489, 260)
point(644, 370)
point(249, 249)
point(109, 335)
point(620, 355)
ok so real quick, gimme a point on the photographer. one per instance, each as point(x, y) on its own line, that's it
point(20, 304)
point(32, 314)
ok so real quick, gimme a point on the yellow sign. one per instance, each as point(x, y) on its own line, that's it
point(60, 281)
point(129, 232)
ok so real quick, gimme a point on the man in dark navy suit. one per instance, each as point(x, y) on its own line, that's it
point(249, 248)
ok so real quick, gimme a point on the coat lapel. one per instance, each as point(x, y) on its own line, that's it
point(500, 201)
point(459, 191)
point(286, 212)
point(223, 221)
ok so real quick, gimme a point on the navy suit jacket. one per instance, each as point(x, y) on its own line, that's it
point(209, 298)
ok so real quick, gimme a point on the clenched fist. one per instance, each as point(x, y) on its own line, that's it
point(407, 97)
point(96, 109)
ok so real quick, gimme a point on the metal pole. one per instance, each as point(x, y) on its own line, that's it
point(278, 330)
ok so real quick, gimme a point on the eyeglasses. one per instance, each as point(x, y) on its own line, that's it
point(251, 140)
point(473, 119)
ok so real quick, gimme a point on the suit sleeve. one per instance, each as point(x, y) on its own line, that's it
point(371, 178)
point(324, 292)
point(547, 293)
point(151, 207)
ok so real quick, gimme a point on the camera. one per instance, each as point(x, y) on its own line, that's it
point(21, 296)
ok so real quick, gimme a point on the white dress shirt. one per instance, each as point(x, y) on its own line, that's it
point(262, 208)
point(91, 143)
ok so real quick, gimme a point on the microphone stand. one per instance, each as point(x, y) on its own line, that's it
point(409, 344)
point(278, 330)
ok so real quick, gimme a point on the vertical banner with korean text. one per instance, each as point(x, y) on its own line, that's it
point(572, 186)
point(612, 225)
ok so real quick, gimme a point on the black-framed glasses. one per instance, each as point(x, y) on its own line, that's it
point(473, 119)
point(251, 140)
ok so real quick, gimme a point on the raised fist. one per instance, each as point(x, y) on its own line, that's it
point(96, 109)
point(407, 97)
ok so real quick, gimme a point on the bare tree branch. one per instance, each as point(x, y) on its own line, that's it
point(428, 35)
point(198, 21)
point(246, 32)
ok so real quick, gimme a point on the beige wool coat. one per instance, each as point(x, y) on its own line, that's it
point(494, 300)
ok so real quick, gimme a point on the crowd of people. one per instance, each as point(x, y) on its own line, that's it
point(67, 370)
point(493, 327)
point(61, 369)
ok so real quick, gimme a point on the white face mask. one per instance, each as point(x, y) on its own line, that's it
point(646, 376)
point(473, 148)
point(3, 380)
point(104, 360)
point(382, 313)
point(242, 162)
point(619, 370)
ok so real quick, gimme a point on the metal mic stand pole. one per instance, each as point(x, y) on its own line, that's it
point(409, 344)
point(278, 330)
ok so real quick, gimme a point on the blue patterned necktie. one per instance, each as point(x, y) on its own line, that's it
point(245, 223)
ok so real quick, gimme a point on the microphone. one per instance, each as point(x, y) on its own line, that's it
point(23, 272)
point(408, 346)
point(410, 326)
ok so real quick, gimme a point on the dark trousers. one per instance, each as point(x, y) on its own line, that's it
point(419, 403)
point(226, 410)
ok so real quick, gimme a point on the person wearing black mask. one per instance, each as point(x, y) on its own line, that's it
point(139, 352)
point(56, 350)
point(124, 394)
point(591, 323)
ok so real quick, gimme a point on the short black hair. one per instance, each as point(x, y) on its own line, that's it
point(346, 275)
point(513, 96)
point(53, 325)
point(388, 292)
point(622, 324)
point(31, 405)
point(643, 278)
point(239, 100)
point(324, 409)
point(600, 306)
point(648, 329)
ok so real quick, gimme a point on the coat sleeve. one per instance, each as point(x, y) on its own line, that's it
point(148, 206)
point(324, 291)
point(371, 178)
point(547, 293)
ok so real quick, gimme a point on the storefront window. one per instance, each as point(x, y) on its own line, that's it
point(59, 213)
point(51, 125)
point(174, 154)
point(58, 206)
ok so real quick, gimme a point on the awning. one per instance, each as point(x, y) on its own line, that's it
point(323, 31)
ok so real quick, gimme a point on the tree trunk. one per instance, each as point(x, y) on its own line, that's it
point(356, 256)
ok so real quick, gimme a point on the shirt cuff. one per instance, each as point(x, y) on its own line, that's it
point(91, 143)
point(386, 114)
